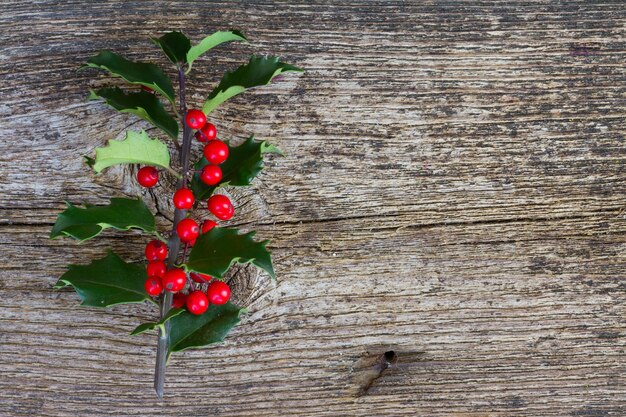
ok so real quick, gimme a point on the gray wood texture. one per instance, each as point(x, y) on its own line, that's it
point(453, 191)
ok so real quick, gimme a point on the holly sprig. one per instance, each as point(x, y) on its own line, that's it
point(185, 266)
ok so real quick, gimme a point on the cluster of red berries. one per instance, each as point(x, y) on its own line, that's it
point(188, 230)
point(174, 280)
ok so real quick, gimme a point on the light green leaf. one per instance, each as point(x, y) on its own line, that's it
point(144, 327)
point(210, 42)
point(142, 104)
point(136, 148)
point(243, 164)
point(141, 73)
point(85, 223)
point(106, 282)
point(260, 70)
point(175, 45)
point(215, 251)
point(191, 331)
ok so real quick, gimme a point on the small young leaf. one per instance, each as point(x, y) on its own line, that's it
point(215, 251)
point(136, 148)
point(85, 223)
point(107, 281)
point(175, 45)
point(144, 327)
point(260, 70)
point(212, 41)
point(191, 331)
point(142, 104)
point(243, 164)
point(141, 73)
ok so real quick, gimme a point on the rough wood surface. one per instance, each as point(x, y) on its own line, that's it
point(453, 191)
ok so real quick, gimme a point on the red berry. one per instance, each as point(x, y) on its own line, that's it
point(183, 199)
point(207, 225)
point(174, 280)
point(153, 286)
point(218, 292)
point(148, 89)
point(148, 177)
point(195, 119)
point(156, 268)
point(211, 174)
point(216, 152)
point(179, 300)
point(156, 250)
point(197, 302)
point(187, 230)
point(221, 207)
point(200, 278)
point(209, 132)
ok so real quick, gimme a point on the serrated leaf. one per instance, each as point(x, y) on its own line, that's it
point(260, 70)
point(85, 223)
point(144, 327)
point(215, 251)
point(243, 164)
point(142, 104)
point(175, 45)
point(191, 331)
point(141, 73)
point(106, 282)
point(135, 148)
point(212, 41)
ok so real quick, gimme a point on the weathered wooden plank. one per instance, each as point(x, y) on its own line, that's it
point(452, 191)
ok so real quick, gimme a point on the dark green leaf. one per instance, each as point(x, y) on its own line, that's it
point(140, 73)
point(215, 251)
point(142, 104)
point(144, 327)
point(89, 161)
point(191, 331)
point(136, 148)
point(106, 282)
point(260, 70)
point(175, 45)
point(243, 164)
point(85, 223)
point(210, 42)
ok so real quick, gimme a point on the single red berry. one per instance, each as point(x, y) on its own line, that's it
point(221, 207)
point(207, 225)
point(211, 174)
point(148, 89)
point(209, 132)
point(156, 268)
point(216, 152)
point(197, 302)
point(148, 177)
point(218, 292)
point(195, 119)
point(156, 250)
point(187, 230)
point(174, 280)
point(183, 199)
point(200, 278)
point(179, 300)
point(153, 286)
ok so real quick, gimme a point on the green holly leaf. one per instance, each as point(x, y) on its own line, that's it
point(215, 251)
point(141, 73)
point(136, 148)
point(106, 282)
point(260, 70)
point(243, 164)
point(175, 45)
point(144, 327)
point(192, 331)
point(212, 41)
point(85, 223)
point(142, 104)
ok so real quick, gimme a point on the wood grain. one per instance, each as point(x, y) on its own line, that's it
point(453, 191)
